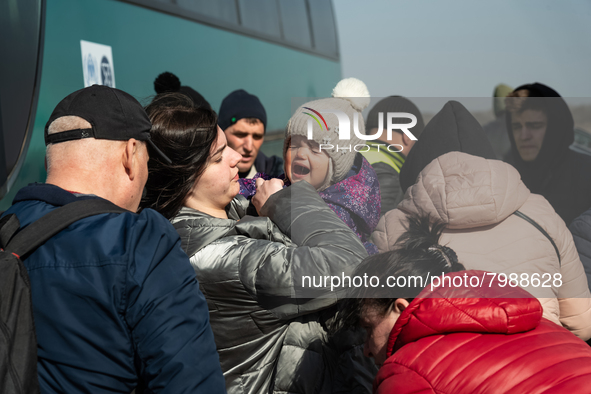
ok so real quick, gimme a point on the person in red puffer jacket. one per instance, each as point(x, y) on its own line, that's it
point(458, 332)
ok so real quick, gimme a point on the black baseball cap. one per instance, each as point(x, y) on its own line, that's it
point(112, 113)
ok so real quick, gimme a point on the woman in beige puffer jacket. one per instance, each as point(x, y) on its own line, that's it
point(476, 198)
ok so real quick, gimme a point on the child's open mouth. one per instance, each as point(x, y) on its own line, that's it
point(300, 170)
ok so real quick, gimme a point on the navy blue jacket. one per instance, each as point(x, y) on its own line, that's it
point(116, 304)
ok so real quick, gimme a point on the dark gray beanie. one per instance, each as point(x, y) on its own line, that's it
point(239, 105)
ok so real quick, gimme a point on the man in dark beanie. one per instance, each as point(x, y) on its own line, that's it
point(244, 121)
point(387, 156)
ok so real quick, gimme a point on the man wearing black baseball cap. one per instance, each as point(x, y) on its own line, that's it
point(115, 300)
point(112, 115)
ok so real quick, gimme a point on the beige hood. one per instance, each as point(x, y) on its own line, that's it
point(466, 191)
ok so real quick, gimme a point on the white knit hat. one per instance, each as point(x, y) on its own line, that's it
point(349, 96)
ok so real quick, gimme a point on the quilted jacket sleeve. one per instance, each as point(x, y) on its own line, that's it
point(167, 315)
point(282, 280)
point(390, 227)
point(399, 379)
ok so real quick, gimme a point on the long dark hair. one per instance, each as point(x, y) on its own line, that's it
point(418, 255)
point(186, 134)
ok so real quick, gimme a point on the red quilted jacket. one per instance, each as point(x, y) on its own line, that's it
point(493, 340)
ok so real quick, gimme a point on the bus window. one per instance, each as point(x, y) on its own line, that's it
point(223, 10)
point(261, 16)
point(323, 27)
point(295, 23)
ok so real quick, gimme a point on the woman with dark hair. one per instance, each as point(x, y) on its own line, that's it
point(269, 329)
point(173, 117)
point(444, 330)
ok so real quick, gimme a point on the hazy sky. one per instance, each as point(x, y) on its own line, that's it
point(434, 48)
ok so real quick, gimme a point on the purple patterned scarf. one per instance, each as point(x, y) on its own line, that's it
point(355, 199)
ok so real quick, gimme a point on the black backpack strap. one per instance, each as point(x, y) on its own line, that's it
point(536, 225)
point(9, 225)
point(38, 232)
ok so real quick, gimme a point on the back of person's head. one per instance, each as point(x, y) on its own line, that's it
point(417, 257)
point(88, 153)
point(93, 116)
point(453, 129)
point(167, 82)
point(241, 105)
point(186, 134)
point(103, 113)
point(394, 104)
point(99, 131)
point(351, 97)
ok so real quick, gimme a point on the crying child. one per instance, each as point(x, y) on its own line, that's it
point(342, 177)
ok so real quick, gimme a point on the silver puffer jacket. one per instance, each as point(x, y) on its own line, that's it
point(270, 331)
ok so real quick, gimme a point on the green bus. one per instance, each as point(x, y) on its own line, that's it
point(275, 49)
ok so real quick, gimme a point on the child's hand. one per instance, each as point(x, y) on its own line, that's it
point(264, 190)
